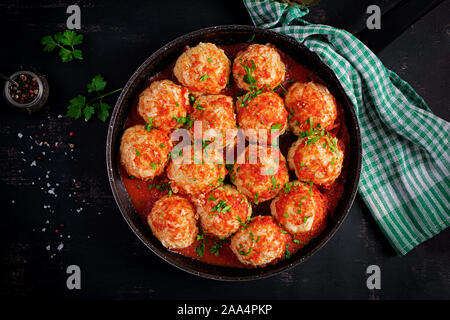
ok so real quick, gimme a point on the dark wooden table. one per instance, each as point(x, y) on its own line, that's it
point(43, 233)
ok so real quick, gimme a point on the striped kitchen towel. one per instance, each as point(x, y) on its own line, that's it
point(405, 178)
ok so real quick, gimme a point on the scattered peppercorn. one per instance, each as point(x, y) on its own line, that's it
point(27, 91)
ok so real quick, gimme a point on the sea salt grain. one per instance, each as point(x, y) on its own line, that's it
point(20, 135)
point(33, 164)
point(60, 247)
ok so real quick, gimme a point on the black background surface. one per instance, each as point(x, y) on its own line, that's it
point(119, 36)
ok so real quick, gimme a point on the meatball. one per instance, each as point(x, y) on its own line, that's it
point(174, 222)
point(307, 101)
point(144, 153)
point(162, 102)
point(316, 158)
point(196, 174)
point(222, 210)
point(300, 209)
point(203, 69)
point(259, 65)
point(259, 243)
point(260, 173)
point(216, 113)
point(264, 112)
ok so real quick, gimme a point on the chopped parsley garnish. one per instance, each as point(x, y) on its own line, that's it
point(256, 198)
point(248, 77)
point(306, 219)
point(209, 60)
point(280, 86)
point(288, 253)
point(242, 252)
point(274, 183)
point(200, 250)
point(187, 121)
point(251, 38)
point(214, 249)
point(149, 125)
point(199, 107)
point(276, 126)
point(287, 187)
point(138, 153)
point(211, 197)
point(221, 207)
point(244, 225)
point(204, 77)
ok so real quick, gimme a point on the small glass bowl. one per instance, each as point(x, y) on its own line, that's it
point(34, 105)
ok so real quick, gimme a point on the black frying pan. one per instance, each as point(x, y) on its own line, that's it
point(223, 35)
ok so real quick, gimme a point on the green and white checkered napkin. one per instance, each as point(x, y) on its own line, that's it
point(405, 177)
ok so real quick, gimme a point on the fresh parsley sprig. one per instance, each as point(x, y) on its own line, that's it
point(78, 105)
point(66, 43)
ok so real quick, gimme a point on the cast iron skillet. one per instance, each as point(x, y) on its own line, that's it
point(157, 62)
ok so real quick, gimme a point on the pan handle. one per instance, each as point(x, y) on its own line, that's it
point(395, 21)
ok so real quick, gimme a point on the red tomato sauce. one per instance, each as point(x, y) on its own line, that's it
point(144, 194)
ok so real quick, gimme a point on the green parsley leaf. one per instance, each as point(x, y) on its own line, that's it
point(48, 43)
point(97, 83)
point(79, 106)
point(102, 110)
point(88, 112)
point(65, 54)
point(71, 38)
point(288, 253)
point(251, 38)
point(214, 249)
point(76, 106)
point(276, 126)
point(66, 42)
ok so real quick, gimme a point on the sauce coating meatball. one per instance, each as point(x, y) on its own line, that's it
point(264, 112)
point(173, 221)
point(198, 175)
point(221, 211)
point(216, 113)
point(260, 243)
point(300, 209)
point(260, 173)
point(316, 158)
point(161, 101)
point(310, 100)
point(203, 69)
point(258, 65)
point(143, 153)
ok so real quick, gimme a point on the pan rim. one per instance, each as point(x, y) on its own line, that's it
point(165, 254)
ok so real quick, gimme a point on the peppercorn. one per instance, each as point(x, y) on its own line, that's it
point(26, 91)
